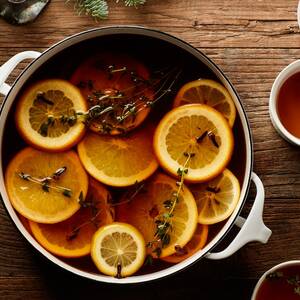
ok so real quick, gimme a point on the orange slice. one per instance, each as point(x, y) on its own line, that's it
point(118, 161)
point(217, 198)
point(51, 202)
point(46, 115)
point(72, 238)
point(209, 92)
point(197, 242)
point(118, 249)
point(194, 129)
point(148, 206)
point(115, 79)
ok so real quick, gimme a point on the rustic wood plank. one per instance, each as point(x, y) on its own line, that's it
point(251, 41)
point(204, 24)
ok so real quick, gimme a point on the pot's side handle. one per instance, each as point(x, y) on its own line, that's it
point(8, 67)
point(252, 228)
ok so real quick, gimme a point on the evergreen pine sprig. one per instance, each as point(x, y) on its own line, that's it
point(95, 8)
point(98, 9)
point(133, 2)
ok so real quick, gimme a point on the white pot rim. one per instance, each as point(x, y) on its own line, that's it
point(286, 73)
point(273, 269)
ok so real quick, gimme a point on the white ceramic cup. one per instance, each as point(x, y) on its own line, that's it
point(274, 269)
point(286, 73)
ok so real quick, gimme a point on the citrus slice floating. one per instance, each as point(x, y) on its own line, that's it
point(209, 92)
point(115, 79)
point(118, 161)
point(217, 198)
point(148, 206)
point(72, 237)
point(118, 249)
point(56, 199)
point(197, 242)
point(46, 115)
point(195, 129)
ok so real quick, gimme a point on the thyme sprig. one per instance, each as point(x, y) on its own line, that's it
point(164, 221)
point(110, 108)
point(45, 182)
point(130, 195)
point(75, 231)
point(95, 211)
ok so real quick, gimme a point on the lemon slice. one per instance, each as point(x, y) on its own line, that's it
point(118, 161)
point(45, 204)
point(72, 237)
point(210, 92)
point(46, 115)
point(148, 206)
point(194, 129)
point(118, 249)
point(217, 199)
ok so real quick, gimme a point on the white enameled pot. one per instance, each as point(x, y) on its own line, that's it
point(252, 228)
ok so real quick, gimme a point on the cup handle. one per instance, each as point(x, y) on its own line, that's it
point(8, 67)
point(252, 228)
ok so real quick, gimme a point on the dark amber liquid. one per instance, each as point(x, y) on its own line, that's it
point(288, 105)
point(280, 288)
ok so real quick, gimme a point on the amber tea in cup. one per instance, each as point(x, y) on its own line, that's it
point(288, 104)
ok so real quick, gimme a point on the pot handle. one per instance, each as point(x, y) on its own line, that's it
point(8, 67)
point(252, 228)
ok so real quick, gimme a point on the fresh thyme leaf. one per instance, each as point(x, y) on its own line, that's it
point(164, 221)
point(168, 204)
point(166, 240)
point(148, 260)
point(67, 193)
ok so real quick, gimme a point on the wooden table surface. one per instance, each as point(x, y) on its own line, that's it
point(251, 41)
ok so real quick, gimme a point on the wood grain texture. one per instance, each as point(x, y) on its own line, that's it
point(251, 41)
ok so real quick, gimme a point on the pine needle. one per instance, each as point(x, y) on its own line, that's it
point(98, 9)
point(135, 3)
point(95, 8)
